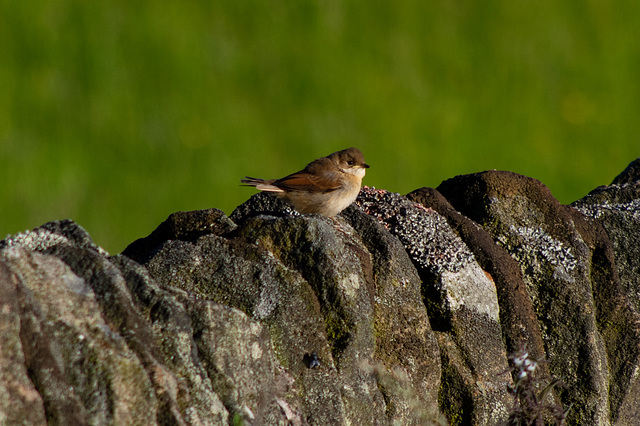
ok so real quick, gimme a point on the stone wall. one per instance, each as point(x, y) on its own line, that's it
point(402, 310)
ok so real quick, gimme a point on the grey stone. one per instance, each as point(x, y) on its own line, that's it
point(401, 310)
point(570, 277)
point(462, 304)
point(617, 209)
point(81, 367)
point(518, 320)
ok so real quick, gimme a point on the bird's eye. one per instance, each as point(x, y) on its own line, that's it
point(350, 162)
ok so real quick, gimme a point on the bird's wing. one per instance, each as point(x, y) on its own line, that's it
point(302, 181)
point(311, 179)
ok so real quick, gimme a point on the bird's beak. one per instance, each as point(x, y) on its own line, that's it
point(365, 166)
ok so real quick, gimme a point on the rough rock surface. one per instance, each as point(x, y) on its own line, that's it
point(589, 327)
point(402, 310)
point(617, 208)
point(462, 304)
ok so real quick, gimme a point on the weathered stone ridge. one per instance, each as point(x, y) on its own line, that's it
point(402, 310)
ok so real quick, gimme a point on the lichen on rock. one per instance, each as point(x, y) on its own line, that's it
point(401, 310)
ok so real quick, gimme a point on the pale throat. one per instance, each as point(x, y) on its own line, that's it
point(357, 171)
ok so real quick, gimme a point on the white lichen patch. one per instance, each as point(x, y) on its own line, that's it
point(39, 239)
point(256, 351)
point(425, 235)
point(470, 287)
point(350, 285)
point(536, 248)
point(596, 211)
point(267, 302)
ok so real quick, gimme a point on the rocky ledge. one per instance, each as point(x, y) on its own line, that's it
point(480, 302)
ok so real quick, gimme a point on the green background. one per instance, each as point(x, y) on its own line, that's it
point(118, 113)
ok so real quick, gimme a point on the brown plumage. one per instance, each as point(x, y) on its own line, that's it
point(325, 186)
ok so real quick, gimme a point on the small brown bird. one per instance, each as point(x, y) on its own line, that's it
point(326, 186)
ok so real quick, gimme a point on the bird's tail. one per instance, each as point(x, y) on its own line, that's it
point(260, 184)
point(251, 181)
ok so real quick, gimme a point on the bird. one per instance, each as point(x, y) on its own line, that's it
point(325, 186)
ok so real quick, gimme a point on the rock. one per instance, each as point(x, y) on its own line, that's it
point(262, 203)
point(94, 357)
point(617, 209)
point(20, 401)
point(401, 310)
point(404, 344)
point(64, 232)
point(517, 317)
point(183, 226)
point(630, 175)
point(570, 276)
point(81, 370)
point(462, 304)
point(313, 284)
point(250, 280)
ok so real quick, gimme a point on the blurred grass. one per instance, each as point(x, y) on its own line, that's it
point(116, 114)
